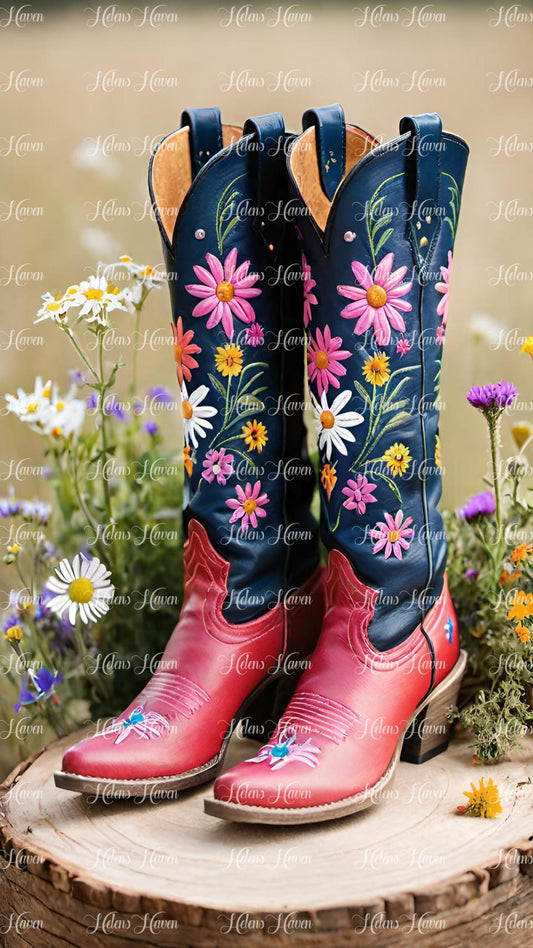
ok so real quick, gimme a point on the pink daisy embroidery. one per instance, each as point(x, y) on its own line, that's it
point(184, 350)
point(309, 285)
point(359, 493)
point(224, 291)
point(248, 505)
point(218, 464)
point(324, 355)
point(255, 335)
point(377, 302)
point(403, 347)
point(442, 308)
point(392, 535)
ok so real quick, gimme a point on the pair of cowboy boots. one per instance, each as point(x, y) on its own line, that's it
point(270, 238)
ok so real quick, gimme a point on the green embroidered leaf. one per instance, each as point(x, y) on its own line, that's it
point(249, 383)
point(395, 422)
point(381, 222)
point(217, 384)
point(395, 405)
point(363, 392)
point(390, 483)
point(383, 239)
point(396, 390)
point(242, 415)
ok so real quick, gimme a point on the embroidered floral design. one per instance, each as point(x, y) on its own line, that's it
point(376, 369)
point(144, 724)
point(308, 287)
point(228, 359)
point(393, 535)
point(287, 750)
point(187, 460)
point(324, 355)
point(377, 301)
point(248, 505)
point(403, 346)
point(328, 478)
point(255, 335)
point(184, 351)
point(397, 459)
point(195, 414)
point(443, 287)
point(438, 461)
point(224, 291)
point(333, 425)
point(359, 493)
point(219, 465)
point(448, 628)
point(255, 435)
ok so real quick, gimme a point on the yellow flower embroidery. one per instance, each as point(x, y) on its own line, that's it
point(255, 435)
point(376, 369)
point(398, 459)
point(228, 359)
point(438, 461)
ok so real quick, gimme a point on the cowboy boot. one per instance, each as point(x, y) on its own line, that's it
point(254, 590)
point(378, 225)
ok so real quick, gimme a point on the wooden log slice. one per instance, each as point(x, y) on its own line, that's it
point(85, 873)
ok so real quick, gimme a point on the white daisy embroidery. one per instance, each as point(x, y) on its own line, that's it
point(332, 424)
point(195, 414)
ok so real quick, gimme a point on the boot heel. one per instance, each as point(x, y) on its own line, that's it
point(429, 733)
point(260, 718)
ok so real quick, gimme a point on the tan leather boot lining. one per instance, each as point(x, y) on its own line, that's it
point(304, 165)
point(172, 172)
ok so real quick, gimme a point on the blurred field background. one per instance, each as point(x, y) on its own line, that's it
point(199, 55)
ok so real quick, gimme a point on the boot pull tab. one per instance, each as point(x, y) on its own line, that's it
point(266, 163)
point(422, 153)
point(330, 131)
point(205, 135)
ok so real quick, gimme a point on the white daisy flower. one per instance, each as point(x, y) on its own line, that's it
point(149, 277)
point(97, 298)
point(65, 415)
point(332, 424)
point(195, 414)
point(31, 407)
point(82, 587)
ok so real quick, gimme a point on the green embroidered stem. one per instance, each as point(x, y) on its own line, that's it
point(224, 208)
point(382, 221)
point(454, 203)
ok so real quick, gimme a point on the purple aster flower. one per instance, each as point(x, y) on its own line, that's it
point(160, 395)
point(10, 622)
point(115, 408)
point(9, 507)
point(77, 377)
point(471, 574)
point(37, 511)
point(480, 505)
point(92, 401)
point(218, 464)
point(38, 686)
point(150, 427)
point(490, 397)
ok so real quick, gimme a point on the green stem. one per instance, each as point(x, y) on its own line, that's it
point(495, 460)
point(103, 429)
